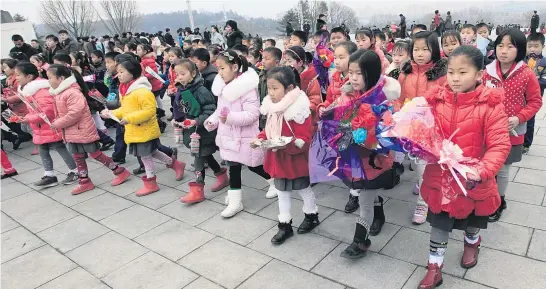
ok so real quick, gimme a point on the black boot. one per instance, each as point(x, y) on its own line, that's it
point(309, 223)
point(497, 215)
point(285, 232)
point(378, 218)
point(359, 246)
point(352, 205)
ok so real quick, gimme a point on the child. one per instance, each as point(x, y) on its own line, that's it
point(522, 98)
point(418, 28)
point(483, 31)
point(80, 62)
point(254, 58)
point(450, 40)
point(36, 91)
point(195, 44)
point(175, 53)
point(130, 47)
point(74, 119)
point(270, 43)
point(271, 57)
point(287, 111)
point(286, 42)
point(537, 62)
point(187, 48)
point(113, 102)
point(338, 35)
point(365, 39)
point(298, 38)
point(246, 41)
point(400, 55)
point(213, 52)
point(237, 118)
point(194, 104)
point(475, 116)
point(99, 69)
point(426, 70)
point(147, 59)
point(39, 61)
point(7, 169)
point(201, 58)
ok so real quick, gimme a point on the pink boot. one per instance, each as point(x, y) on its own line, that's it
point(84, 185)
point(196, 194)
point(222, 181)
point(150, 186)
point(121, 176)
point(178, 168)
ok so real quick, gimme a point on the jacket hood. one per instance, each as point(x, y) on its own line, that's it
point(141, 82)
point(63, 86)
point(491, 69)
point(32, 87)
point(238, 87)
point(209, 70)
point(482, 94)
point(297, 111)
point(434, 70)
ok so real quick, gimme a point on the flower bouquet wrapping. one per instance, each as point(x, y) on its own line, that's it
point(323, 59)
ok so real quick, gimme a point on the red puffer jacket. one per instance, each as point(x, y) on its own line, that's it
point(483, 134)
point(149, 61)
point(10, 97)
point(334, 89)
point(417, 79)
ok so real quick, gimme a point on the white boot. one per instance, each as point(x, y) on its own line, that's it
point(272, 192)
point(234, 203)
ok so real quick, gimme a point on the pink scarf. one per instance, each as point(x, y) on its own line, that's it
point(275, 114)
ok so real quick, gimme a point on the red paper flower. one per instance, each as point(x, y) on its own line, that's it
point(365, 118)
point(187, 122)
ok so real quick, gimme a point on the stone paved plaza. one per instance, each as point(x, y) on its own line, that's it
point(109, 238)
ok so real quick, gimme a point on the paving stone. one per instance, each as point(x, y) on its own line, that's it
point(150, 271)
point(525, 193)
point(253, 199)
point(505, 237)
point(513, 172)
point(72, 233)
point(535, 162)
point(302, 250)
point(192, 214)
point(64, 195)
point(450, 282)
point(525, 215)
point(167, 178)
point(13, 190)
point(518, 272)
point(333, 197)
point(164, 196)
point(412, 246)
point(539, 140)
point(21, 205)
point(202, 283)
point(106, 254)
point(26, 166)
point(8, 223)
point(34, 269)
point(537, 150)
point(47, 216)
point(174, 239)
point(77, 278)
point(531, 177)
point(134, 221)
point(252, 180)
point(241, 229)
point(185, 188)
point(372, 272)
point(401, 212)
point(537, 248)
point(272, 212)
point(130, 186)
point(102, 206)
point(18, 242)
point(403, 192)
point(224, 262)
point(292, 278)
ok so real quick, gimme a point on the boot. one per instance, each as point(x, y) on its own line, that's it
point(234, 203)
point(222, 180)
point(84, 185)
point(35, 151)
point(8, 173)
point(433, 278)
point(272, 191)
point(178, 167)
point(150, 186)
point(309, 223)
point(378, 218)
point(121, 176)
point(497, 214)
point(359, 246)
point(352, 205)
point(196, 194)
point(470, 254)
point(285, 232)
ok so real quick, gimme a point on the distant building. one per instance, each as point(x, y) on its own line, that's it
point(6, 17)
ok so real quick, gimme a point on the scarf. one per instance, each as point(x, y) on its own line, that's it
point(123, 87)
point(275, 115)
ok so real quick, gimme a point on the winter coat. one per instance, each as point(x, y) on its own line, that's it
point(319, 24)
point(291, 162)
point(37, 92)
point(150, 62)
point(72, 113)
point(199, 107)
point(88, 47)
point(449, 23)
point(483, 134)
point(208, 74)
point(417, 79)
point(138, 108)
point(113, 101)
point(169, 39)
point(535, 19)
point(100, 71)
point(68, 46)
point(218, 39)
point(10, 97)
point(539, 68)
point(522, 94)
point(240, 96)
point(48, 54)
point(311, 87)
point(334, 89)
point(234, 38)
point(27, 49)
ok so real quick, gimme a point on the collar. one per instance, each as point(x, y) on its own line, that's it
point(64, 85)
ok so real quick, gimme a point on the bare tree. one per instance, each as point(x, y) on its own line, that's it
point(341, 14)
point(120, 15)
point(76, 17)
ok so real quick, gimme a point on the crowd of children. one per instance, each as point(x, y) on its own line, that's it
point(263, 108)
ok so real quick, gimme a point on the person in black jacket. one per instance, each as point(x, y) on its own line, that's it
point(201, 58)
point(402, 25)
point(52, 47)
point(168, 37)
point(234, 36)
point(535, 20)
point(321, 22)
point(21, 46)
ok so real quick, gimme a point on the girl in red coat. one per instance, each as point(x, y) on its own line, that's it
point(522, 97)
point(288, 115)
point(147, 59)
point(474, 115)
point(365, 39)
point(76, 124)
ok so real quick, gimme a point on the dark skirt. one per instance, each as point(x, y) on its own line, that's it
point(444, 222)
point(143, 149)
point(289, 185)
point(515, 155)
point(83, 147)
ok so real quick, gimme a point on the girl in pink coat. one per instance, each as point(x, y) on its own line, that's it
point(237, 117)
point(41, 112)
point(76, 124)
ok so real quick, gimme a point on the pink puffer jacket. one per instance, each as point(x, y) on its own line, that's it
point(73, 115)
point(37, 92)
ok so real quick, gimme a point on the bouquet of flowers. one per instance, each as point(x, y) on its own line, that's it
point(322, 60)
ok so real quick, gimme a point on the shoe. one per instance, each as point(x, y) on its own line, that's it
point(196, 194)
point(310, 221)
point(70, 179)
point(47, 182)
point(9, 173)
point(222, 180)
point(34, 151)
point(121, 176)
point(150, 186)
point(118, 161)
point(107, 146)
point(352, 204)
point(433, 278)
point(16, 143)
point(526, 150)
point(83, 186)
point(178, 168)
point(378, 218)
point(416, 189)
point(285, 231)
point(470, 254)
point(498, 213)
point(359, 246)
point(420, 214)
point(138, 171)
point(234, 203)
point(272, 191)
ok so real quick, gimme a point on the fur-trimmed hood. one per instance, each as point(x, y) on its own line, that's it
point(297, 111)
point(392, 88)
point(32, 87)
point(435, 71)
point(65, 84)
point(238, 87)
point(482, 94)
point(141, 82)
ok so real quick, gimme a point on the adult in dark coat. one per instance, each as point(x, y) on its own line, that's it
point(289, 29)
point(67, 44)
point(321, 22)
point(52, 47)
point(21, 46)
point(448, 23)
point(233, 35)
point(168, 37)
point(402, 26)
point(535, 20)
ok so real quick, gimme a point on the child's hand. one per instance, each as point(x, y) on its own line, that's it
point(123, 122)
point(105, 113)
point(257, 142)
point(473, 176)
point(513, 122)
point(321, 111)
point(209, 125)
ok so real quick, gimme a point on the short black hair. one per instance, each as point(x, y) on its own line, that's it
point(240, 48)
point(17, 37)
point(474, 55)
point(349, 46)
point(34, 40)
point(196, 41)
point(276, 52)
point(480, 25)
point(63, 57)
point(431, 39)
point(201, 54)
point(466, 26)
point(63, 31)
point(272, 41)
point(420, 26)
point(98, 54)
point(111, 55)
point(322, 15)
point(130, 64)
point(187, 41)
point(517, 38)
point(452, 34)
point(167, 29)
point(381, 36)
point(536, 37)
point(301, 35)
point(370, 66)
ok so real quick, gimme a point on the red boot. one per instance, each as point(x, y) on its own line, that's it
point(121, 176)
point(470, 254)
point(222, 180)
point(178, 168)
point(433, 278)
point(150, 186)
point(84, 185)
point(196, 194)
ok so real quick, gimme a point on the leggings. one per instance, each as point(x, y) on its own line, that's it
point(235, 175)
point(199, 163)
point(503, 178)
point(439, 239)
point(420, 170)
point(285, 204)
point(59, 146)
point(149, 165)
point(99, 156)
point(366, 202)
point(164, 149)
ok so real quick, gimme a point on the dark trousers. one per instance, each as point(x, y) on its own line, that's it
point(120, 148)
point(104, 138)
point(402, 33)
point(16, 128)
point(530, 133)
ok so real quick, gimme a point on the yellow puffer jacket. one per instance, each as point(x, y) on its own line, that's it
point(138, 108)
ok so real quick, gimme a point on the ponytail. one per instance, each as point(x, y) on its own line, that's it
point(66, 71)
point(233, 57)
